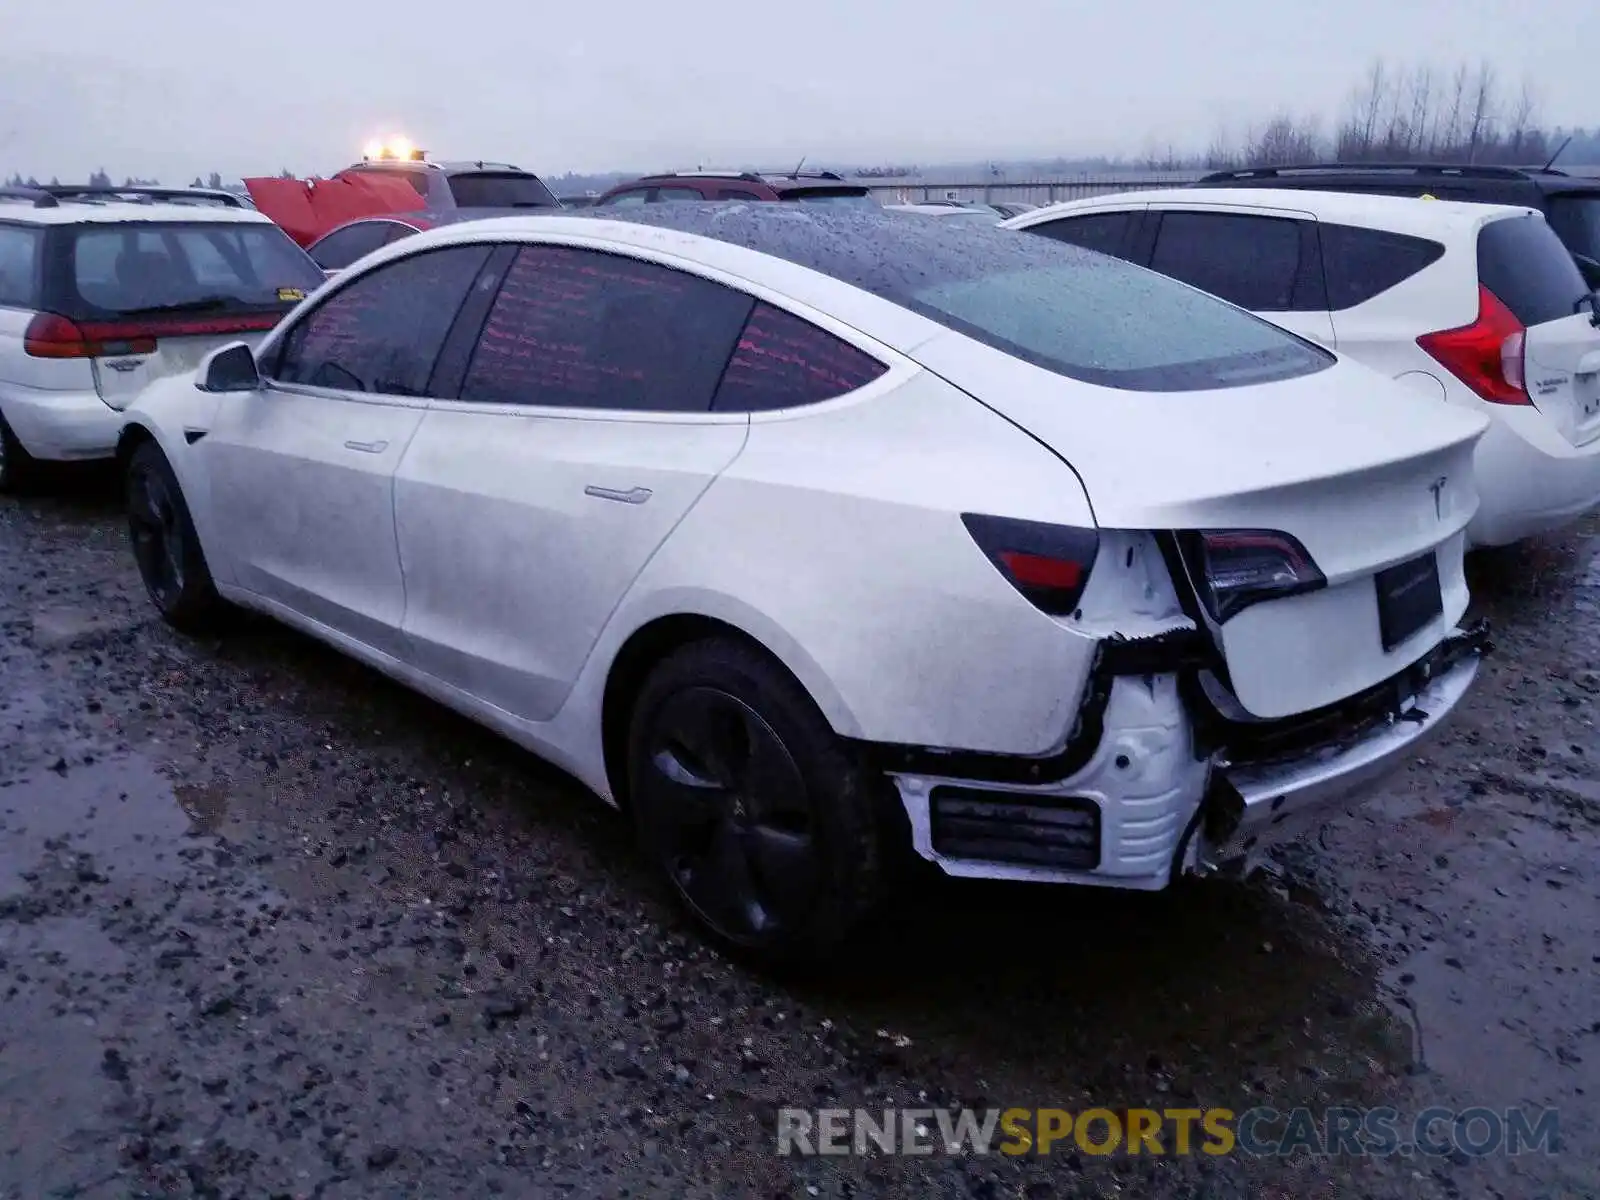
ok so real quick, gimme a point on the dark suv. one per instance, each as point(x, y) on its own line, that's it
point(1571, 203)
point(809, 187)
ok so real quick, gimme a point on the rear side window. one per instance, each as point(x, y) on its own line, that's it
point(1524, 263)
point(678, 193)
point(1102, 232)
point(783, 361)
point(19, 266)
point(1576, 219)
point(1253, 262)
point(383, 332)
point(583, 329)
point(343, 246)
point(501, 189)
point(626, 199)
point(1359, 264)
point(211, 267)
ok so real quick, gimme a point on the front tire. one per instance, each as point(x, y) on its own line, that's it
point(746, 800)
point(171, 562)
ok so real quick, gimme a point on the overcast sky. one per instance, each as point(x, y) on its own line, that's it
point(178, 87)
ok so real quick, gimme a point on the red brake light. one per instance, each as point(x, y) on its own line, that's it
point(1049, 564)
point(1487, 355)
point(50, 335)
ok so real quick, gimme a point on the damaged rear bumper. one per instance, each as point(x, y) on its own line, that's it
point(1252, 805)
point(1169, 787)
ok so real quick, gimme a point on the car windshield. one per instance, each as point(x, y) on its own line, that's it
point(848, 199)
point(1577, 220)
point(147, 266)
point(501, 189)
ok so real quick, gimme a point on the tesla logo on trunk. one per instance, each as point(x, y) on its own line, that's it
point(1437, 488)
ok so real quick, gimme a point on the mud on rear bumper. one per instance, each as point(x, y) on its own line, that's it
point(1169, 786)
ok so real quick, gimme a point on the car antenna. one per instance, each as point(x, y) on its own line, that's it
point(1557, 154)
point(798, 165)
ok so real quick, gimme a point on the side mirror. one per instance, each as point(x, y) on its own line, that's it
point(1590, 269)
point(231, 368)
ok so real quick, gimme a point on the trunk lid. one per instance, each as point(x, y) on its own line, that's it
point(120, 377)
point(1563, 375)
point(1364, 473)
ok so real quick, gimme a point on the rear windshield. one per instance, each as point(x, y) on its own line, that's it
point(849, 197)
point(1525, 265)
point(147, 266)
point(501, 189)
point(1108, 322)
point(1577, 220)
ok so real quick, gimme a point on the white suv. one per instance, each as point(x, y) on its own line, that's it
point(103, 290)
point(1478, 305)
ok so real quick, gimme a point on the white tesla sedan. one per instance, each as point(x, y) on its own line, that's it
point(806, 536)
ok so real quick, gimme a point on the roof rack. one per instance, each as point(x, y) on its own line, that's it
point(139, 193)
point(37, 196)
point(748, 176)
point(1439, 170)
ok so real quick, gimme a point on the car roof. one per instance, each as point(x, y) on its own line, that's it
point(449, 166)
point(799, 252)
point(87, 212)
point(1399, 214)
point(1456, 175)
point(422, 219)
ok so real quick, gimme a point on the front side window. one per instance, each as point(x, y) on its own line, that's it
point(626, 199)
point(1101, 232)
point(383, 331)
point(583, 329)
point(217, 267)
point(19, 266)
point(783, 361)
point(342, 247)
point(1253, 262)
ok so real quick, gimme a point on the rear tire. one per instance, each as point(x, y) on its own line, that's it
point(19, 470)
point(171, 562)
point(745, 799)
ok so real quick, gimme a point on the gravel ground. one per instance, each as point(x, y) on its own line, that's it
point(271, 927)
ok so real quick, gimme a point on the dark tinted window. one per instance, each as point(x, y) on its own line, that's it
point(1577, 220)
point(730, 193)
point(580, 329)
point(225, 267)
point(1524, 263)
point(382, 333)
point(1249, 261)
point(678, 193)
point(1359, 264)
point(625, 199)
point(19, 266)
point(1097, 231)
point(1086, 316)
point(783, 361)
point(837, 197)
point(342, 247)
point(501, 189)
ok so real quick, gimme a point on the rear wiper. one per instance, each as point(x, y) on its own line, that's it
point(203, 304)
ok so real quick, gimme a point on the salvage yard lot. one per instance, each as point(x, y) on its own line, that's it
point(272, 926)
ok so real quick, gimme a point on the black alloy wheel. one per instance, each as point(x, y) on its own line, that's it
point(745, 800)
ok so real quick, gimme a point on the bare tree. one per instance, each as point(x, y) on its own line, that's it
point(1283, 140)
point(1481, 110)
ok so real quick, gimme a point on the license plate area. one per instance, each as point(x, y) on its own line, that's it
point(1409, 596)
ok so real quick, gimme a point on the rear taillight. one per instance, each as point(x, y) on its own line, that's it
point(1241, 567)
point(52, 336)
point(1487, 355)
point(1049, 564)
